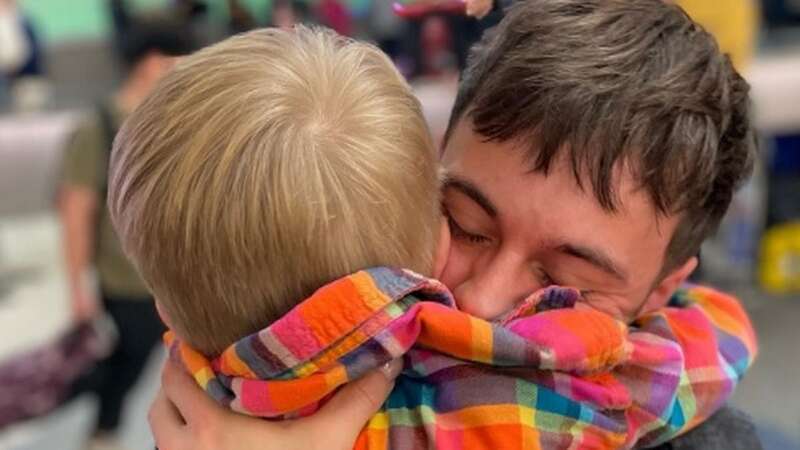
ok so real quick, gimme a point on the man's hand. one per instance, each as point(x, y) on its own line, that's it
point(183, 417)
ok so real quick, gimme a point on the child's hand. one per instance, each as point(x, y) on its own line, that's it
point(479, 8)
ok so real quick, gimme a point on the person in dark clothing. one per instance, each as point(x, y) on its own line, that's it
point(148, 51)
point(22, 67)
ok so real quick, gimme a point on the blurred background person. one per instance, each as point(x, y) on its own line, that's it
point(241, 19)
point(90, 244)
point(335, 15)
point(21, 59)
point(275, 13)
point(288, 13)
point(120, 19)
point(386, 28)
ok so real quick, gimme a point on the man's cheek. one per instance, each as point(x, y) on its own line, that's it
point(457, 270)
point(614, 307)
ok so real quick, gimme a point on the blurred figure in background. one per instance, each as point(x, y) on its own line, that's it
point(284, 14)
point(462, 21)
point(148, 51)
point(386, 28)
point(120, 19)
point(335, 15)
point(280, 14)
point(240, 18)
point(190, 9)
point(436, 47)
point(468, 28)
point(194, 16)
point(21, 59)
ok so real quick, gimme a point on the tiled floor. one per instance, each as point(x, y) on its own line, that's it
point(33, 310)
point(771, 391)
point(69, 427)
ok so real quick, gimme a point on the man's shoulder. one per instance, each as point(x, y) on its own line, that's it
point(728, 429)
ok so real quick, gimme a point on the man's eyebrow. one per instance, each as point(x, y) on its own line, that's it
point(596, 258)
point(469, 189)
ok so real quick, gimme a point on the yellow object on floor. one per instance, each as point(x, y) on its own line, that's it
point(733, 22)
point(780, 259)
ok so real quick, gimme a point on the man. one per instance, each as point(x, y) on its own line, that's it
point(90, 243)
point(593, 144)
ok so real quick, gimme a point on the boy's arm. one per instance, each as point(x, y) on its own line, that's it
point(712, 343)
point(668, 372)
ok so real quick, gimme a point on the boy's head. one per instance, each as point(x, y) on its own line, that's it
point(262, 168)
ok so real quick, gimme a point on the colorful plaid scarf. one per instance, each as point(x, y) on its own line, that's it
point(549, 377)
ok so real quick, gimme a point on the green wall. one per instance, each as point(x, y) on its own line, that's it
point(58, 20)
point(64, 20)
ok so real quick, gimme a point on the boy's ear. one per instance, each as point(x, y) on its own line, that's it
point(442, 249)
point(660, 296)
point(163, 315)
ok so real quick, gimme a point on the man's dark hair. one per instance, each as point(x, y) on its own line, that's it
point(613, 82)
point(161, 36)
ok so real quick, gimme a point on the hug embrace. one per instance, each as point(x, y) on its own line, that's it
point(523, 287)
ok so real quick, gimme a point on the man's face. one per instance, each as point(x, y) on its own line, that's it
point(515, 231)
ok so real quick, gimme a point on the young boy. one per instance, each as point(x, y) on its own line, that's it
point(277, 162)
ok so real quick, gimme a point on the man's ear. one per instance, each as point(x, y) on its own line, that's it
point(442, 249)
point(660, 296)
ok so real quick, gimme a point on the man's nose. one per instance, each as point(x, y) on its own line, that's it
point(496, 287)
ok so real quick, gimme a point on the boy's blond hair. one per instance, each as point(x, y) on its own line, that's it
point(264, 167)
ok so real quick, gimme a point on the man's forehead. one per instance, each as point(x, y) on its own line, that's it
point(471, 154)
point(555, 203)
